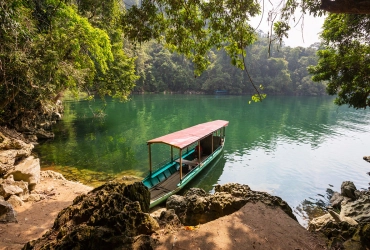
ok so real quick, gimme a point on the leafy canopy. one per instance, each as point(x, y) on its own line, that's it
point(344, 60)
point(49, 46)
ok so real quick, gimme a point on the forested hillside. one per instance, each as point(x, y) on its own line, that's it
point(282, 71)
point(114, 47)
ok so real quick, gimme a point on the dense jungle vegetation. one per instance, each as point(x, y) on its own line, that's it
point(283, 71)
point(114, 47)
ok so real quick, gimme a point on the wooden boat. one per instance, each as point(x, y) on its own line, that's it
point(221, 92)
point(172, 176)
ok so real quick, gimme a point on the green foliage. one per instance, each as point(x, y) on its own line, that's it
point(285, 72)
point(49, 46)
point(344, 59)
point(193, 28)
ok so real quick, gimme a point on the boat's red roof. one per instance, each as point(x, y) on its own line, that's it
point(185, 137)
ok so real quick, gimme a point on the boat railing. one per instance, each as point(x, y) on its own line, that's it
point(161, 164)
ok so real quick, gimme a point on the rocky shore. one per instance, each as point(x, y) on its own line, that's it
point(347, 223)
point(68, 215)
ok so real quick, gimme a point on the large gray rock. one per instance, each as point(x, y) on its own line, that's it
point(7, 189)
point(7, 213)
point(336, 200)
point(27, 170)
point(350, 229)
point(348, 189)
point(11, 151)
point(24, 186)
point(197, 206)
point(359, 209)
point(15, 201)
point(318, 223)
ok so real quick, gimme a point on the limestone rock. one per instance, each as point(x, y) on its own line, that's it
point(348, 189)
point(358, 210)
point(11, 151)
point(367, 158)
point(52, 174)
point(34, 198)
point(318, 223)
point(7, 189)
point(197, 206)
point(15, 201)
point(7, 213)
point(10, 178)
point(339, 218)
point(168, 218)
point(362, 235)
point(108, 217)
point(24, 186)
point(336, 200)
point(28, 170)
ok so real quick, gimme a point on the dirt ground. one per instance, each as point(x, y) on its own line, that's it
point(255, 226)
point(34, 219)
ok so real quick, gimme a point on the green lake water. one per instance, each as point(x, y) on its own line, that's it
point(298, 148)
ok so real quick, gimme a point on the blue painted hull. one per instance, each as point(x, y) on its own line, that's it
point(167, 170)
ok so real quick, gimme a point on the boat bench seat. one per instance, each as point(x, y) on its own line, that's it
point(190, 163)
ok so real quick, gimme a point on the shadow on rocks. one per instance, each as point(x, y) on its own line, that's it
point(198, 207)
point(112, 216)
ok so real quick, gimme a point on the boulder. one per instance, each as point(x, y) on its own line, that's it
point(52, 174)
point(7, 189)
point(358, 209)
point(168, 218)
point(34, 198)
point(7, 213)
point(108, 217)
point(197, 206)
point(348, 189)
point(366, 158)
point(24, 186)
point(350, 229)
point(15, 201)
point(11, 151)
point(27, 170)
point(318, 223)
point(336, 200)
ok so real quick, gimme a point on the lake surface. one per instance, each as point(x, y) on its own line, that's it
point(298, 148)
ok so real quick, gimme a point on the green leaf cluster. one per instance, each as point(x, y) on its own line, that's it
point(194, 27)
point(344, 60)
point(49, 46)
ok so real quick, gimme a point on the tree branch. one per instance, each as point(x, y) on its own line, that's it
point(346, 6)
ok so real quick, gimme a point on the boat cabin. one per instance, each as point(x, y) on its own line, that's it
point(196, 146)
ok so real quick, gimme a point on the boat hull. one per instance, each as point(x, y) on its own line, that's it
point(181, 184)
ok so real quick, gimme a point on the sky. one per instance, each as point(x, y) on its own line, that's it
point(310, 31)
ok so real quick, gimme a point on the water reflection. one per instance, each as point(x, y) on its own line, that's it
point(210, 175)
